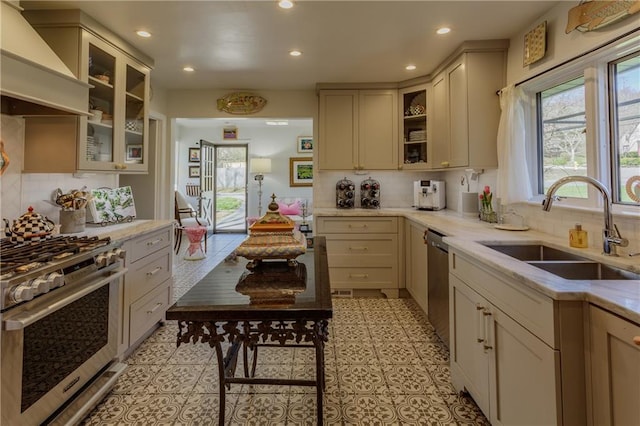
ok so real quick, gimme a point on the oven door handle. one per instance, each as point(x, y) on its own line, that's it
point(22, 320)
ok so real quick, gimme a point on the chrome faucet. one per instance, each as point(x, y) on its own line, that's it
point(610, 234)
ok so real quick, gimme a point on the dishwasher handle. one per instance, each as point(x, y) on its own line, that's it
point(434, 239)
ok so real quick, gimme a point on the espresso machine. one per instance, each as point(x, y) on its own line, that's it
point(429, 195)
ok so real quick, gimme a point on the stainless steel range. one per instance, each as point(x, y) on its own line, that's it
point(59, 316)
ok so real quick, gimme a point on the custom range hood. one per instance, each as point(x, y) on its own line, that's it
point(33, 79)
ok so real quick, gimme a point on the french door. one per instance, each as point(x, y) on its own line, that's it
point(230, 198)
point(207, 179)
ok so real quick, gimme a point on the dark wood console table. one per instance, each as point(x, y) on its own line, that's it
point(274, 305)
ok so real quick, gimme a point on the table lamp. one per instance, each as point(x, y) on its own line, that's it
point(260, 166)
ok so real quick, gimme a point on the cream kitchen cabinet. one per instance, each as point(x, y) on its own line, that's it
point(466, 110)
point(517, 352)
point(615, 369)
point(114, 138)
point(146, 293)
point(416, 263)
point(507, 370)
point(358, 130)
point(362, 252)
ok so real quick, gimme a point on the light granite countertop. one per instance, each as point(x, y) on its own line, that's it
point(466, 234)
point(123, 231)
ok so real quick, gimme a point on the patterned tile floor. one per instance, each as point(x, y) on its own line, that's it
point(384, 366)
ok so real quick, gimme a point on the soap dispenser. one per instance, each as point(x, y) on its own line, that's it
point(578, 237)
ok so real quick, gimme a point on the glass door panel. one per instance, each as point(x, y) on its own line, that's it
point(230, 204)
point(207, 180)
point(134, 116)
point(100, 136)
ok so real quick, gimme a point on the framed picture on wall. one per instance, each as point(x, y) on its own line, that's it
point(194, 171)
point(230, 133)
point(194, 155)
point(305, 144)
point(300, 171)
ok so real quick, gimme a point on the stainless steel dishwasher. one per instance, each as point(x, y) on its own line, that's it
point(438, 284)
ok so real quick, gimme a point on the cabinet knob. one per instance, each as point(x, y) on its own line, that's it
point(444, 164)
point(636, 340)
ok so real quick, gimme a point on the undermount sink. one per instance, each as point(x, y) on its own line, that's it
point(563, 264)
point(585, 270)
point(529, 252)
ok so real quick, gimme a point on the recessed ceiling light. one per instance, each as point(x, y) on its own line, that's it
point(410, 67)
point(443, 30)
point(295, 52)
point(285, 4)
point(188, 69)
point(143, 33)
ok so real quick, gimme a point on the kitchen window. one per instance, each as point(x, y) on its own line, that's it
point(624, 77)
point(562, 146)
point(587, 122)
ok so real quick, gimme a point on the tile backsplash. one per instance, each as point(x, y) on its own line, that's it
point(20, 190)
point(396, 188)
point(397, 191)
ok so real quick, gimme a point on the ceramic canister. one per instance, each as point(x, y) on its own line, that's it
point(72, 221)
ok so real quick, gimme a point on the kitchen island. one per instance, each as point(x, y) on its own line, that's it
point(273, 305)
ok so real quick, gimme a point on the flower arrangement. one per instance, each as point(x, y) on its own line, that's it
point(486, 213)
point(485, 198)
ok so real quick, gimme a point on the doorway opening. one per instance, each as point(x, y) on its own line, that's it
point(230, 197)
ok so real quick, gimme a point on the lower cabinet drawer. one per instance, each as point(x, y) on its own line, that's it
point(363, 278)
point(145, 274)
point(149, 310)
point(357, 225)
point(383, 244)
point(141, 247)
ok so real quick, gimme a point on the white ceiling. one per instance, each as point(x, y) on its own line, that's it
point(244, 44)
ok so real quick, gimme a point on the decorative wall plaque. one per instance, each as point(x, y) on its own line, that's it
point(241, 103)
point(592, 15)
point(535, 44)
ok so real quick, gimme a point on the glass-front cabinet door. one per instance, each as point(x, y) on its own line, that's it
point(98, 128)
point(113, 137)
point(135, 117)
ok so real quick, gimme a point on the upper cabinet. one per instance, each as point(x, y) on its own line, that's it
point(114, 137)
point(466, 110)
point(448, 121)
point(413, 144)
point(358, 130)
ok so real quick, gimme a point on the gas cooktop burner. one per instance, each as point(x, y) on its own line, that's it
point(17, 258)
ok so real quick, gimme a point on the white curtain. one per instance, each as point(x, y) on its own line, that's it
point(513, 183)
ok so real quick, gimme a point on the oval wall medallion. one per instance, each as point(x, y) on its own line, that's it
point(241, 103)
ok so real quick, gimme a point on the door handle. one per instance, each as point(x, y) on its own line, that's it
point(155, 271)
point(479, 324)
point(487, 324)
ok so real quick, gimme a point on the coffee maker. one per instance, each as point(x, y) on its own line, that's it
point(429, 195)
